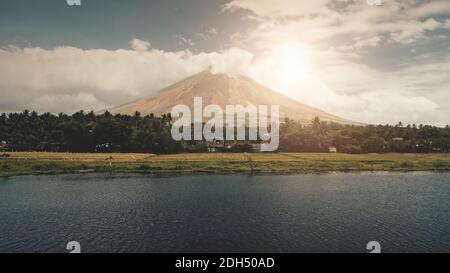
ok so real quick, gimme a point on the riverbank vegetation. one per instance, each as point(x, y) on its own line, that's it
point(88, 132)
point(22, 163)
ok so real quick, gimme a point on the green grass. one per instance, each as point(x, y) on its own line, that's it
point(58, 163)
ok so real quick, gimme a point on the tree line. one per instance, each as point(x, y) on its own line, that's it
point(88, 132)
point(319, 136)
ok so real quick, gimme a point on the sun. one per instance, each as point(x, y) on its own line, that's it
point(287, 68)
point(291, 61)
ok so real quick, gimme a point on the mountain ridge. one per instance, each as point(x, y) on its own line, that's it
point(222, 90)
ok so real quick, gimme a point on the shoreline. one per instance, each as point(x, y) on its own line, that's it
point(34, 163)
point(172, 173)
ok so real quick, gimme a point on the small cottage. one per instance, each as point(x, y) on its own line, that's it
point(332, 149)
point(4, 146)
point(216, 146)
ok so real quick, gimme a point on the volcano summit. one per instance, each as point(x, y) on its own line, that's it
point(222, 90)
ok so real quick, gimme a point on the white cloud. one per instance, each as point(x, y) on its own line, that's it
point(184, 42)
point(324, 21)
point(213, 31)
point(139, 45)
point(233, 61)
point(432, 8)
point(274, 8)
point(206, 35)
point(69, 79)
point(55, 102)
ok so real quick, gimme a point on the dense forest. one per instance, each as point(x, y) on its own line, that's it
point(88, 132)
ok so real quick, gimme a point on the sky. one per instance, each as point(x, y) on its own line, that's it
point(370, 63)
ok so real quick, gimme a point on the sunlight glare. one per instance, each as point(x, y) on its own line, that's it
point(289, 61)
point(292, 60)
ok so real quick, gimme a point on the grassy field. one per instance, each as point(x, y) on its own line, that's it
point(57, 163)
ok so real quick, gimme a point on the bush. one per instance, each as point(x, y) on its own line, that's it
point(144, 167)
point(242, 148)
point(45, 167)
point(440, 164)
point(351, 149)
point(406, 164)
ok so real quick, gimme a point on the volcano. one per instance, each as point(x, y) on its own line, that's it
point(222, 90)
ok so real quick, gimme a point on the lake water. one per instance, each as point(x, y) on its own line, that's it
point(405, 212)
